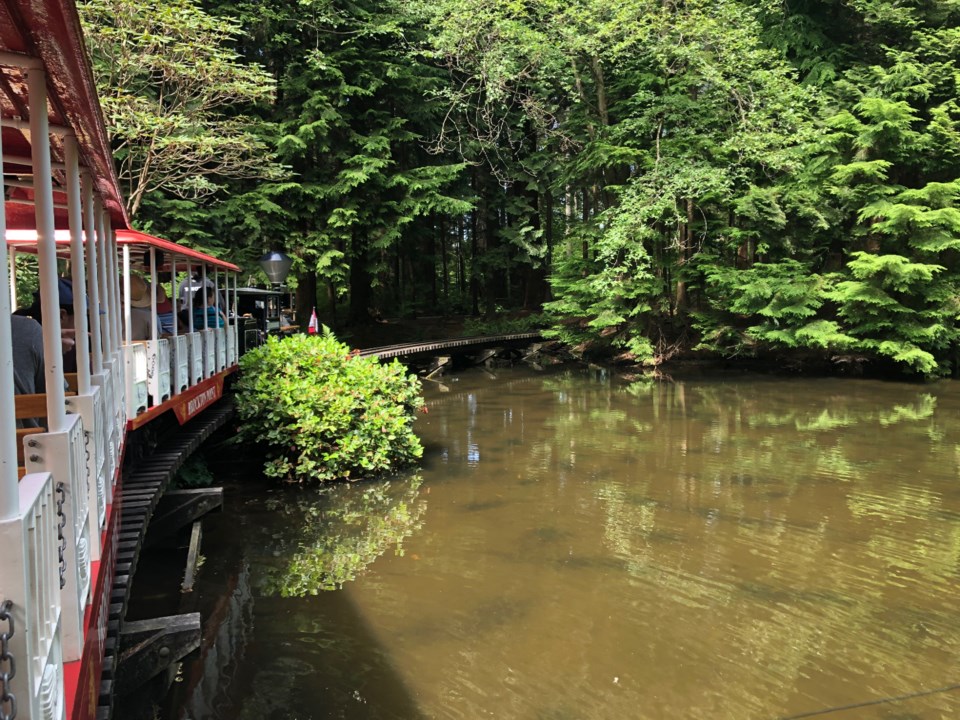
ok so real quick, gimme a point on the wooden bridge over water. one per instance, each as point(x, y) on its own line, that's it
point(435, 354)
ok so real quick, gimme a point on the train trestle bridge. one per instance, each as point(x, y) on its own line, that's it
point(434, 355)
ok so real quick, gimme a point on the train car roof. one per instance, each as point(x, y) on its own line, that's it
point(260, 292)
point(137, 239)
point(49, 30)
point(26, 241)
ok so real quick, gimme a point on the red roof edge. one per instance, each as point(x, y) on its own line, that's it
point(137, 238)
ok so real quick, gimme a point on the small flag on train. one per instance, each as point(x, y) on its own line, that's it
point(313, 325)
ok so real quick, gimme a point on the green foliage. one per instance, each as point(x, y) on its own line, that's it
point(772, 304)
point(324, 413)
point(894, 309)
point(171, 89)
point(28, 279)
point(736, 176)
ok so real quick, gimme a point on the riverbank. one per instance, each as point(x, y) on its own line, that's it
point(678, 360)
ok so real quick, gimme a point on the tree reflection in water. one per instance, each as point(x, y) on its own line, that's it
point(336, 532)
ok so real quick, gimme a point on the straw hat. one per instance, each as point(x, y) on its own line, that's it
point(139, 292)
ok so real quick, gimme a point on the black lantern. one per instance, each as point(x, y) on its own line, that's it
point(277, 266)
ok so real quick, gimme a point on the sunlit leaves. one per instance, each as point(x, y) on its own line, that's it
point(325, 414)
point(171, 87)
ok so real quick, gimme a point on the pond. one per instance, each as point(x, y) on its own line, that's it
point(580, 546)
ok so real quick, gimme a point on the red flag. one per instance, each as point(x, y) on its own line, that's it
point(313, 325)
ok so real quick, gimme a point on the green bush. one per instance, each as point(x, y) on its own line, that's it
point(324, 413)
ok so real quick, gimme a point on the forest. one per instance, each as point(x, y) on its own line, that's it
point(647, 179)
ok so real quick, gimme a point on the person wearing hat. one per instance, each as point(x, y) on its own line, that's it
point(140, 314)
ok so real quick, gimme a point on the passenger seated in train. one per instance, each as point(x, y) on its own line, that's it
point(68, 339)
point(192, 285)
point(164, 311)
point(140, 314)
point(204, 304)
point(28, 371)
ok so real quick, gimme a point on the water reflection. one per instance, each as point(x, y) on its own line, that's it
point(725, 549)
point(333, 534)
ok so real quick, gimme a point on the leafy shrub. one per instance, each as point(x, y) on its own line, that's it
point(324, 413)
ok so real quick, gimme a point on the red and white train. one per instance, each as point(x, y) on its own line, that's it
point(59, 491)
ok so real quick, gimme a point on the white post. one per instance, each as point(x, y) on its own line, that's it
point(13, 274)
point(176, 345)
point(93, 284)
point(78, 270)
point(114, 278)
point(236, 322)
point(46, 249)
point(203, 294)
point(9, 493)
point(153, 294)
point(106, 311)
point(190, 295)
point(174, 296)
point(127, 314)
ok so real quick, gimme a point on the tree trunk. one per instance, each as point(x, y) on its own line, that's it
point(686, 245)
point(461, 269)
point(585, 246)
point(332, 295)
point(535, 281)
point(443, 258)
point(306, 297)
point(430, 262)
point(547, 198)
point(359, 284)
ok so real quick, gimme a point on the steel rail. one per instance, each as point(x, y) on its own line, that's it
point(387, 352)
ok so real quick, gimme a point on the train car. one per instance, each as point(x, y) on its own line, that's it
point(63, 434)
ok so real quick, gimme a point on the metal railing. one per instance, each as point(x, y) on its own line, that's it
point(209, 352)
point(8, 663)
point(181, 364)
point(63, 455)
point(135, 363)
point(232, 357)
point(196, 357)
point(221, 335)
point(31, 667)
point(158, 371)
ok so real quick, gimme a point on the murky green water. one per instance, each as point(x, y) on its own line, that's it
point(578, 547)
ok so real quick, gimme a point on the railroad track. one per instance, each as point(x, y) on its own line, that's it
point(388, 352)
